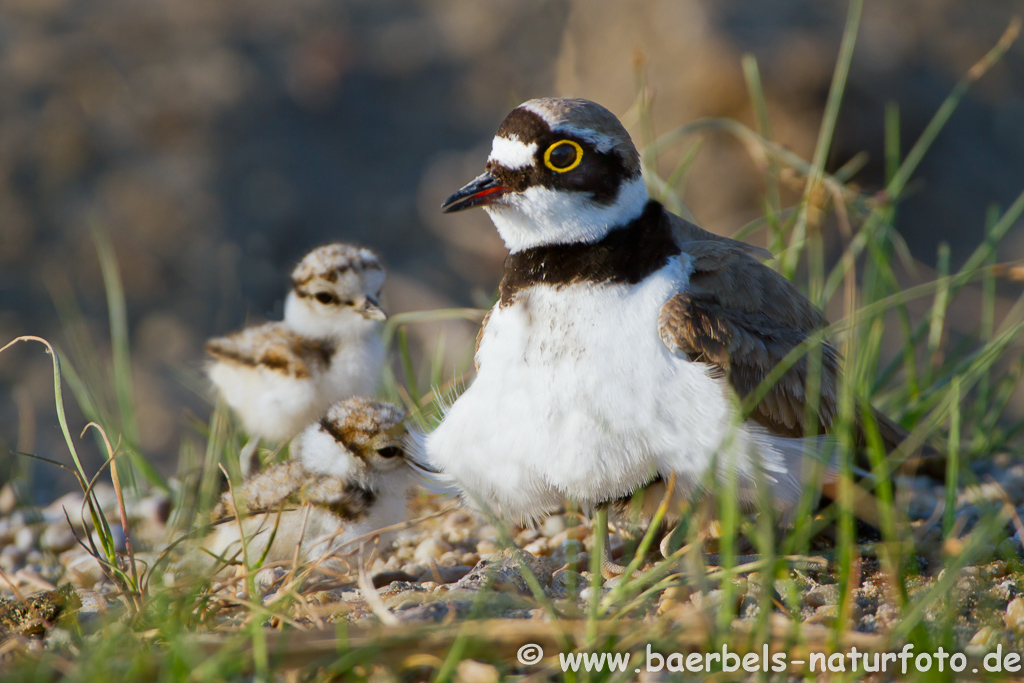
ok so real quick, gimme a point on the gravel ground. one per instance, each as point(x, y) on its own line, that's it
point(436, 570)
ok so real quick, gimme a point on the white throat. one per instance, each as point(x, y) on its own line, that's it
point(306, 318)
point(541, 216)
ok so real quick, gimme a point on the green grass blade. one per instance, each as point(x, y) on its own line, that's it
point(952, 458)
point(117, 310)
point(828, 123)
point(913, 159)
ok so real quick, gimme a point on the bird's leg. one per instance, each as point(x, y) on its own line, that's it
point(609, 567)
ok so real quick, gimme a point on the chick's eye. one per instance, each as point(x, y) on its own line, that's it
point(563, 156)
point(390, 452)
point(326, 298)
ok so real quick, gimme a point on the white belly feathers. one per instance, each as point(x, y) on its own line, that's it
point(577, 393)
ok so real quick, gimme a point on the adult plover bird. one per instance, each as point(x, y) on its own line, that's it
point(622, 337)
point(281, 376)
point(347, 477)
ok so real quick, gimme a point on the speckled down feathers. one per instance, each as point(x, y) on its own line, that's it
point(281, 376)
point(358, 424)
point(329, 261)
point(274, 346)
point(334, 488)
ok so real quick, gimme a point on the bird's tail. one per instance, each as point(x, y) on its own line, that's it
point(922, 458)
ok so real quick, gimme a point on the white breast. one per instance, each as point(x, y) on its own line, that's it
point(355, 369)
point(277, 406)
point(270, 404)
point(577, 397)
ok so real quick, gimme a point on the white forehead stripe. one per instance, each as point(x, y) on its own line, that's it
point(541, 112)
point(511, 153)
point(601, 142)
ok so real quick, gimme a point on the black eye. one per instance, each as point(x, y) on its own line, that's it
point(326, 298)
point(563, 156)
point(390, 452)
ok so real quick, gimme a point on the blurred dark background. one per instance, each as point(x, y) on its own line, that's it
point(217, 142)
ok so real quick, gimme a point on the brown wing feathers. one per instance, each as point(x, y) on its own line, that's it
point(275, 347)
point(480, 336)
point(742, 319)
point(744, 350)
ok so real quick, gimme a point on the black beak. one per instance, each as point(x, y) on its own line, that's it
point(482, 190)
point(371, 309)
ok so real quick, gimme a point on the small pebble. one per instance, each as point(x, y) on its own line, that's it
point(155, 508)
point(94, 608)
point(888, 615)
point(414, 568)
point(750, 607)
point(575, 533)
point(11, 557)
point(471, 671)
point(527, 535)
point(25, 539)
point(708, 601)
point(588, 593)
point(827, 594)
point(824, 615)
point(1005, 590)
point(487, 547)
point(449, 559)
point(680, 593)
point(457, 526)
point(1014, 617)
point(71, 502)
point(432, 548)
point(538, 548)
point(994, 570)
point(82, 568)
point(57, 537)
point(8, 498)
point(984, 637)
point(553, 525)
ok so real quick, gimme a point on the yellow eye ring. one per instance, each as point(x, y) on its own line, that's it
point(563, 169)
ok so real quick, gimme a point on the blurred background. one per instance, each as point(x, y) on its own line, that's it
point(216, 142)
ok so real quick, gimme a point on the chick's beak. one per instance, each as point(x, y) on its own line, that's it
point(482, 190)
point(419, 464)
point(371, 309)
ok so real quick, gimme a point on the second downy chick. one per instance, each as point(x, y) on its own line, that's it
point(279, 377)
point(348, 477)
